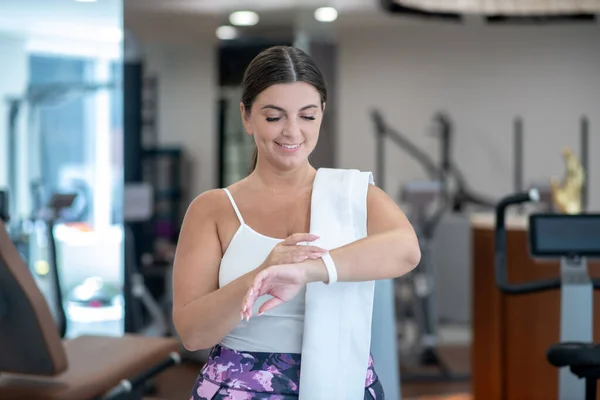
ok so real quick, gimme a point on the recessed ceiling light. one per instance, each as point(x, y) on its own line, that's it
point(86, 1)
point(243, 18)
point(326, 14)
point(226, 32)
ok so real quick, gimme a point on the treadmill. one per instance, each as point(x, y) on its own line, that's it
point(573, 239)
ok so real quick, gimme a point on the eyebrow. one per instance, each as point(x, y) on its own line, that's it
point(282, 110)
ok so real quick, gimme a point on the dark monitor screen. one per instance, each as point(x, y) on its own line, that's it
point(563, 235)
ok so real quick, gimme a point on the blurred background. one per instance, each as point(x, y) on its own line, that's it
point(115, 114)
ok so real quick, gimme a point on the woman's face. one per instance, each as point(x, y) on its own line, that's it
point(285, 120)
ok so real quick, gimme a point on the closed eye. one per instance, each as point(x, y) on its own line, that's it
point(275, 119)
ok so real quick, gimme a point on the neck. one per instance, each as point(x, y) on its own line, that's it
point(277, 179)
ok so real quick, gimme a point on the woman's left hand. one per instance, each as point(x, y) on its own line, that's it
point(283, 282)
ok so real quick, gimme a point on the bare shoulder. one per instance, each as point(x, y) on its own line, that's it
point(375, 190)
point(383, 213)
point(208, 204)
point(376, 196)
point(378, 201)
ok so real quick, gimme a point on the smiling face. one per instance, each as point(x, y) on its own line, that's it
point(285, 120)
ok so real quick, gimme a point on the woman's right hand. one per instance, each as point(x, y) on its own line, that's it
point(290, 252)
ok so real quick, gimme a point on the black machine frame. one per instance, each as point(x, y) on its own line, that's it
point(575, 355)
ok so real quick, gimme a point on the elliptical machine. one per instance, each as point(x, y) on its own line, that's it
point(445, 191)
point(573, 239)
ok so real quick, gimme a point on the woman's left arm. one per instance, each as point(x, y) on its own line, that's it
point(391, 248)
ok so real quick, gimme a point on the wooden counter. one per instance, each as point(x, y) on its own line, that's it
point(511, 333)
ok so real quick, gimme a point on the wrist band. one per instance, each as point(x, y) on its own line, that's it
point(331, 270)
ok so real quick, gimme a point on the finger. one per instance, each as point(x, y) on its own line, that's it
point(249, 308)
point(251, 296)
point(313, 249)
point(269, 305)
point(299, 237)
point(256, 291)
point(259, 283)
point(300, 257)
point(247, 302)
point(316, 256)
point(302, 254)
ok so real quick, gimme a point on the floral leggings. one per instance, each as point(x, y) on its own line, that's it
point(235, 375)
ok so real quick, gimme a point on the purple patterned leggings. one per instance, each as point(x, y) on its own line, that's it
point(235, 375)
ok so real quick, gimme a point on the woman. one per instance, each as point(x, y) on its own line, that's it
point(240, 244)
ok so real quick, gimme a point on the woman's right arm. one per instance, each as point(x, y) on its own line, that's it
point(202, 313)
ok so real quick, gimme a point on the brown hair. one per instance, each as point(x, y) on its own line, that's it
point(279, 64)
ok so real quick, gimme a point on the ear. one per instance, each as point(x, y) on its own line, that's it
point(323, 107)
point(245, 118)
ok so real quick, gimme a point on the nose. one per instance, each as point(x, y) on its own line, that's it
point(292, 128)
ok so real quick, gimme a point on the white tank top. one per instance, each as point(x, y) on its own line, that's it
point(278, 330)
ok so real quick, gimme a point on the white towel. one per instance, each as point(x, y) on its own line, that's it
point(337, 321)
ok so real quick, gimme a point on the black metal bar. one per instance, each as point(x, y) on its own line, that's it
point(381, 134)
point(500, 268)
point(4, 206)
point(445, 144)
point(381, 128)
point(221, 142)
point(395, 7)
point(518, 155)
point(12, 153)
point(53, 261)
point(590, 388)
point(129, 385)
point(132, 153)
point(584, 154)
point(132, 121)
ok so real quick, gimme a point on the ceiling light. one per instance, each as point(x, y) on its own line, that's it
point(243, 18)
point(86, 1)
point(326, 14)
point(226, 32)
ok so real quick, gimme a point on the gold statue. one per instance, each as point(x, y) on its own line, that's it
point(567, 196)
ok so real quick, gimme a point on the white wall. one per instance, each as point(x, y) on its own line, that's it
point(483, 77)
point(13, 80)
point(188, 105)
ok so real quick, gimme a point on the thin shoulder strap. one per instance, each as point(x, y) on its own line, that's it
point(235, 207)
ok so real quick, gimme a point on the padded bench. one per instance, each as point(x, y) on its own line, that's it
point(36, 364)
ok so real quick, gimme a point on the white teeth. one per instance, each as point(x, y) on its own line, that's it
point(285, 146)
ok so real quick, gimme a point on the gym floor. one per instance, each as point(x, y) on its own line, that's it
point(176, 383)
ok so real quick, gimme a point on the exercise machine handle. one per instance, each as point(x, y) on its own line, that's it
point(129, 386)
point(500, 249)
point(4, 206)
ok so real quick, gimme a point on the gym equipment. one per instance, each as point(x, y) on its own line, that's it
point(23, 121)
point(573, 239)
point(41, 226)
point(445, 191)
point(426, 207)
point(35, 364)
point(3, 206)
point(445, 170)
point(49, 215)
